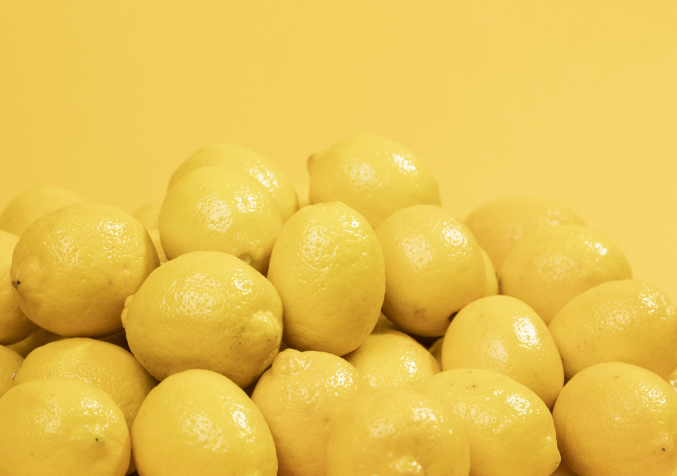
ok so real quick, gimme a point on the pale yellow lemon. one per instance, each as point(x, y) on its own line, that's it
point(102, 364)
point(33, 341)
point(249, 162)
point(328, 267)
point(62, 427)
point(220, 209)
point(434, 267)
point(73, 268)
point(388, 359)
point(157, 242)
point(385, 323)
point(372, 175)
point(510, 430)
point(199, 422)
point(617, 419)
point(14, 325)
point(491, 288)
point(503, 334)
point(554, 264)
point(148, 214)
point(672, 379)
point(396, 432)
point(300, 397)
point(10, 361)
point(303, 194)
point(498, 225)
point(205, 310)
point(620, 321)
point(32, 204)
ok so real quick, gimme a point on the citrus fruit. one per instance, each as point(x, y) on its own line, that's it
point(220, 209)
point(157, 242)
point(33, 341)
point(434, 267)
point(14, 325)
point(617, 419)
point(300, 396)
point(394, 432)
point(436, 350)
point(303, 194)
point(372, 175)
point(73, 268)
point(205, 310)
point(510, 430)
point(62, 427)
point(199, 422)
point(32, 204)
point(10, 361)
point(388, 359)
point(498, 225)
point(554, 264)
point(620, 321)
point(328, 267)
point(148, 214)
point(503, 334)
point(491, 288)
point(248, 162)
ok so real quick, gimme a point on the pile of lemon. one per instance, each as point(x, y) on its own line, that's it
point(247, 326)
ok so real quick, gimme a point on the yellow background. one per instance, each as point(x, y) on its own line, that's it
point(573, 100)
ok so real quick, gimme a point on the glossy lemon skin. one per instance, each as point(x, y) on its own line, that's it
point(14, 325)
point(33, 204)
point(62, 427)
point(554, 264)
point(617, 419)
point(397, 432)
point(199, 422)
point(392, 359)
point(503, 334)
point(372, 175)
point(300, 397)
point(510, 430)
point(73, 268)
point(498, 225)
point(328, 267)
point(249, 162)
point(10, 361)
point(434, 267)
point(627, 321)
point(205, 310)
point(220, 209)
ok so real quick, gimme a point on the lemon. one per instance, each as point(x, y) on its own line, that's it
point(10, 361)
point(205, 310)
point(303, 194)
point(619, 321)
point(372, 175)
point(32, 204)
point(510, 430)
point(498, 225)
point(33, 341)
point(503, 334)
point(300, 396)
point(199, 422)
point(434, 267)
point(102, 364)
point(328, 267)
point(148, 214)
point(397, 432)
point(388, 359)
point(62, 427)
point(220, 209)
point(616, 419)
point(14, 325)
point(73, 268)
point(491, 288)
point(672, 379)
point(248, 162)
point(554, 264)
point(157, 243)
point(385, 323)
